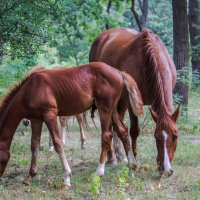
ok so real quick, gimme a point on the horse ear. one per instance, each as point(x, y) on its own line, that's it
point(176, 114)
point(154, 115)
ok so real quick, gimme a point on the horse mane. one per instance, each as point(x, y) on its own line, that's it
point(8, 97)
point(153, 75)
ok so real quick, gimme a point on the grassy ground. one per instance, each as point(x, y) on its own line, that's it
point(117, 182)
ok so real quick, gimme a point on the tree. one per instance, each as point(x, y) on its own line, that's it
point(143, 5)
point(194, 27)
point(24, 26)
point(181, 47)
point(73, 29)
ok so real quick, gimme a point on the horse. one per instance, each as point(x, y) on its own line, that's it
point(144, 56)
point(63, 123)
point(45, 94)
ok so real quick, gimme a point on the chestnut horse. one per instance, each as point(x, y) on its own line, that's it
point(46, 94)
point(144, 56)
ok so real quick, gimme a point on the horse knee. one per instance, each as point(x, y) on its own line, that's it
point(106, 139)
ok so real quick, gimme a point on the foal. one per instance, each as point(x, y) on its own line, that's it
point(46, 94)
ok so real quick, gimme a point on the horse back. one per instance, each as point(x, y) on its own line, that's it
point(106, 46)
point(71, 91)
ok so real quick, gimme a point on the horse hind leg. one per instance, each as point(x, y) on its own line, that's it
point(36, 126)
point(82, 134)
point(122, 132)
point(50, 144)
point(51, 121)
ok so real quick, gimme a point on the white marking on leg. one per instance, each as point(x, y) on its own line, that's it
point(167, 165)
point(67, 179)
point(67, 171)
point(100, 169)
point(63, 135)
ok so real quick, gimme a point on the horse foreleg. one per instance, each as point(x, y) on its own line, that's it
point(106, 141)
point(134, 132)
point(122, 131)
point(36, 126)
point(106, 144)
point(51, 121)
point(82, 134)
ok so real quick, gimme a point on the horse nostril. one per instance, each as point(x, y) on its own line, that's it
point(171, 172)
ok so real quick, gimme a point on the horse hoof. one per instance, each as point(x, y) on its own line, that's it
point(125, 160)
point(137, 165)
point(100, 170)
point(83, 146)
point(100, 174)
point(67, 187)
point(27, 180)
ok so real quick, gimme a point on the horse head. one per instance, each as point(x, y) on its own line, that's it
point(166, 135)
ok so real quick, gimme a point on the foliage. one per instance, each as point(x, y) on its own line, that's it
point(95, 184)
point(13, 71)
point(198, 182)
point(24, 26)
point(160, 21)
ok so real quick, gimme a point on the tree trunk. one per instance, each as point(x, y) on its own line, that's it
point(194, 25)
point(140, 20)
point(144, 9)
point(181, 47)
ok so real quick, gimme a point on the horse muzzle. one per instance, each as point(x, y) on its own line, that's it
point(168, 173)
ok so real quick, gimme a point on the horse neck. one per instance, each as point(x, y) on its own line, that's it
point(8, 125)
point(160, 74)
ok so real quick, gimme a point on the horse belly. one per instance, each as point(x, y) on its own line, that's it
point(74, 106)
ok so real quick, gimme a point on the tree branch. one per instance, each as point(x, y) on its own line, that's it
point(141, 5)
point(108, 11)
point(135, 14)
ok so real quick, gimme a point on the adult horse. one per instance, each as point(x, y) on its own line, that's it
point(46, 94)
point(144, 56)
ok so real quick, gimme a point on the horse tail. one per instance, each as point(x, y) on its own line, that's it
point(135, 97)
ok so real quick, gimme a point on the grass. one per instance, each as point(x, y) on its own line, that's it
point(117, 183)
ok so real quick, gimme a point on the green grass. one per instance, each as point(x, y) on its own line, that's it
point(117, 183)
